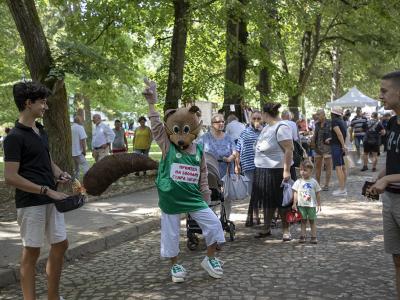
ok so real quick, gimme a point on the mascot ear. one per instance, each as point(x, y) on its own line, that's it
point(195, 110)
point(168, 113)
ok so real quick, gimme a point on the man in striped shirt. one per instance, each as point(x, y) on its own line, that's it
point(245, 148)
point(358, 127)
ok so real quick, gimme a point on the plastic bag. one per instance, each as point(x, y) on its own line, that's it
point(235, 187)
point(287, 192)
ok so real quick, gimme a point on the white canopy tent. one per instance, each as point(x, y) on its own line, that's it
point(353, 98)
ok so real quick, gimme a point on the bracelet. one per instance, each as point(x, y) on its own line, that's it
point(44, 189)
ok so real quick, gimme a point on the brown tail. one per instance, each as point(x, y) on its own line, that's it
point(108, 170)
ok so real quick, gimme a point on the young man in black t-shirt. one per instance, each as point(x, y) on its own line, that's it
point(388, 181)
point(29, 168)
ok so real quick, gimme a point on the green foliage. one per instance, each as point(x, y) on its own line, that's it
point(105, 48)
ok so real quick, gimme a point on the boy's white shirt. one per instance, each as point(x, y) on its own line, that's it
point(307, 190)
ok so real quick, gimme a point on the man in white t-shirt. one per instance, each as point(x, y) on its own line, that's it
point(79, 147)
point(286, 118)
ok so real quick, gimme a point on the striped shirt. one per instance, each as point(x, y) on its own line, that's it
point(245, 146)
point(359, 125)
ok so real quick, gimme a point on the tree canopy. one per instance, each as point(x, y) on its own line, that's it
point(301, 53)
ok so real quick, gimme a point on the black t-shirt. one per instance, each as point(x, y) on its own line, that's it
point(342, 125)
point(393, 152)
point(23, 145)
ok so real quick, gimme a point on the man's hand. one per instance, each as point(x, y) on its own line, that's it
point(378, 187)
point(64, 178)
point(150, 92)
point(237, 170)
point(56, 195)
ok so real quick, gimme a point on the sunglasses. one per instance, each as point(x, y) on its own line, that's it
point(256, 118)
point(221, 122)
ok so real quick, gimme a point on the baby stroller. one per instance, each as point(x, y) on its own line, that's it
point(217, 198)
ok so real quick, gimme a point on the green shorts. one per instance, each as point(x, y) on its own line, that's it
point(308, 213)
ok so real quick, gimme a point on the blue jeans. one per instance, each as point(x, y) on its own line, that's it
point(358, 140)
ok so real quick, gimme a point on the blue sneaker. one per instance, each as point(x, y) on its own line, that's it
point(178, 273)
point(213, 267)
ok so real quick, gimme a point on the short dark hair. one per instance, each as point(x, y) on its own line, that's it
point(31, 90)
point(272, 109)
point(393, 76)
point(117, 121)
point(142, 118)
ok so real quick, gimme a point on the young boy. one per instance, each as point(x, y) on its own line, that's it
point(306, 198)
point(29, 168)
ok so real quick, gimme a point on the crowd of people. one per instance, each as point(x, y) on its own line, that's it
point(263, 150)
point(106, 140)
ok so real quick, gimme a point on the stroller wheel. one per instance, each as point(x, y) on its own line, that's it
point(232, 231)
point(192, 242)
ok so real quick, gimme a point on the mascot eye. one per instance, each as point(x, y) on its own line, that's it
point(175, 129)
point(186, 129)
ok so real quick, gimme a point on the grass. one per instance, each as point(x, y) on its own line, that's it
point(155, 153)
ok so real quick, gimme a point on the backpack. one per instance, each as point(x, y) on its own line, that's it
point(298, 150)
point(372, 137)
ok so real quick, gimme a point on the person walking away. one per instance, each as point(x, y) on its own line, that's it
point(274, 163)
point(79, 147)
point(234, 128)
point(338, 149)
point(388, 179)
point(29, 168)
point(103, 137)
point(357, 131)
point(307, 199)
point(245, 159)
point(219, 144)
point(372, 141)
point(322, 149)
point(120, 143)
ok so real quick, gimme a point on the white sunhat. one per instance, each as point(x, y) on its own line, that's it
point(337, 111)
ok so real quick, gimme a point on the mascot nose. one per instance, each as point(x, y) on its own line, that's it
point(181, 143)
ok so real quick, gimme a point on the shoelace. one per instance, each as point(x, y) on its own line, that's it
point(178, 268)
point(215, 263)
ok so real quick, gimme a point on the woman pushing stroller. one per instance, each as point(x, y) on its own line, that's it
point(182, 184)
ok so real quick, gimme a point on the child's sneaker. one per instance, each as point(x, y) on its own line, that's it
point(314, 240)
point(178, 273)
point(212, 266)
point(302, 239)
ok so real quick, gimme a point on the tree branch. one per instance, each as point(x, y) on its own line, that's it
point(202, 5)
point(337, 37)
point(101, 32)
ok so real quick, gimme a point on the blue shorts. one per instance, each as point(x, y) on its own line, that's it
point(337, 156)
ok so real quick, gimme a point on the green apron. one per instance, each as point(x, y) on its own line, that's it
point(178, 182)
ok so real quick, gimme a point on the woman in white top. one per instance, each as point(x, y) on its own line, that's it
point(273, 160)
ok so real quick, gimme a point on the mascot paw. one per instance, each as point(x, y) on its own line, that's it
point(150, 92)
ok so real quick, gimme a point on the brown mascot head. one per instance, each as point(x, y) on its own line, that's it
point(183, 125)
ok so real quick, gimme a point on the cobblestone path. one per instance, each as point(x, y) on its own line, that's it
point(347, 263)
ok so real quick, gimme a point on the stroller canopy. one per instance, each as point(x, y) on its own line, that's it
point(214, 181)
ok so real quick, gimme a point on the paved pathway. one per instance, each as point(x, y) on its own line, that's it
point(348, 263)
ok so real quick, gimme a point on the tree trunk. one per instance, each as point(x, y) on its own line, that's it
point(236, 62)
point(41, 67)
point(177, 56)
point(336, 73)
point(88, 121)
point(294, 103)
point(264, 79)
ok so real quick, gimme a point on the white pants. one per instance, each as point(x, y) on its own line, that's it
point(170, 229)
point(80, 161)
point(36, 222)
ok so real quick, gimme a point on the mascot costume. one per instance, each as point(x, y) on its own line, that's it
point(181, 182)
